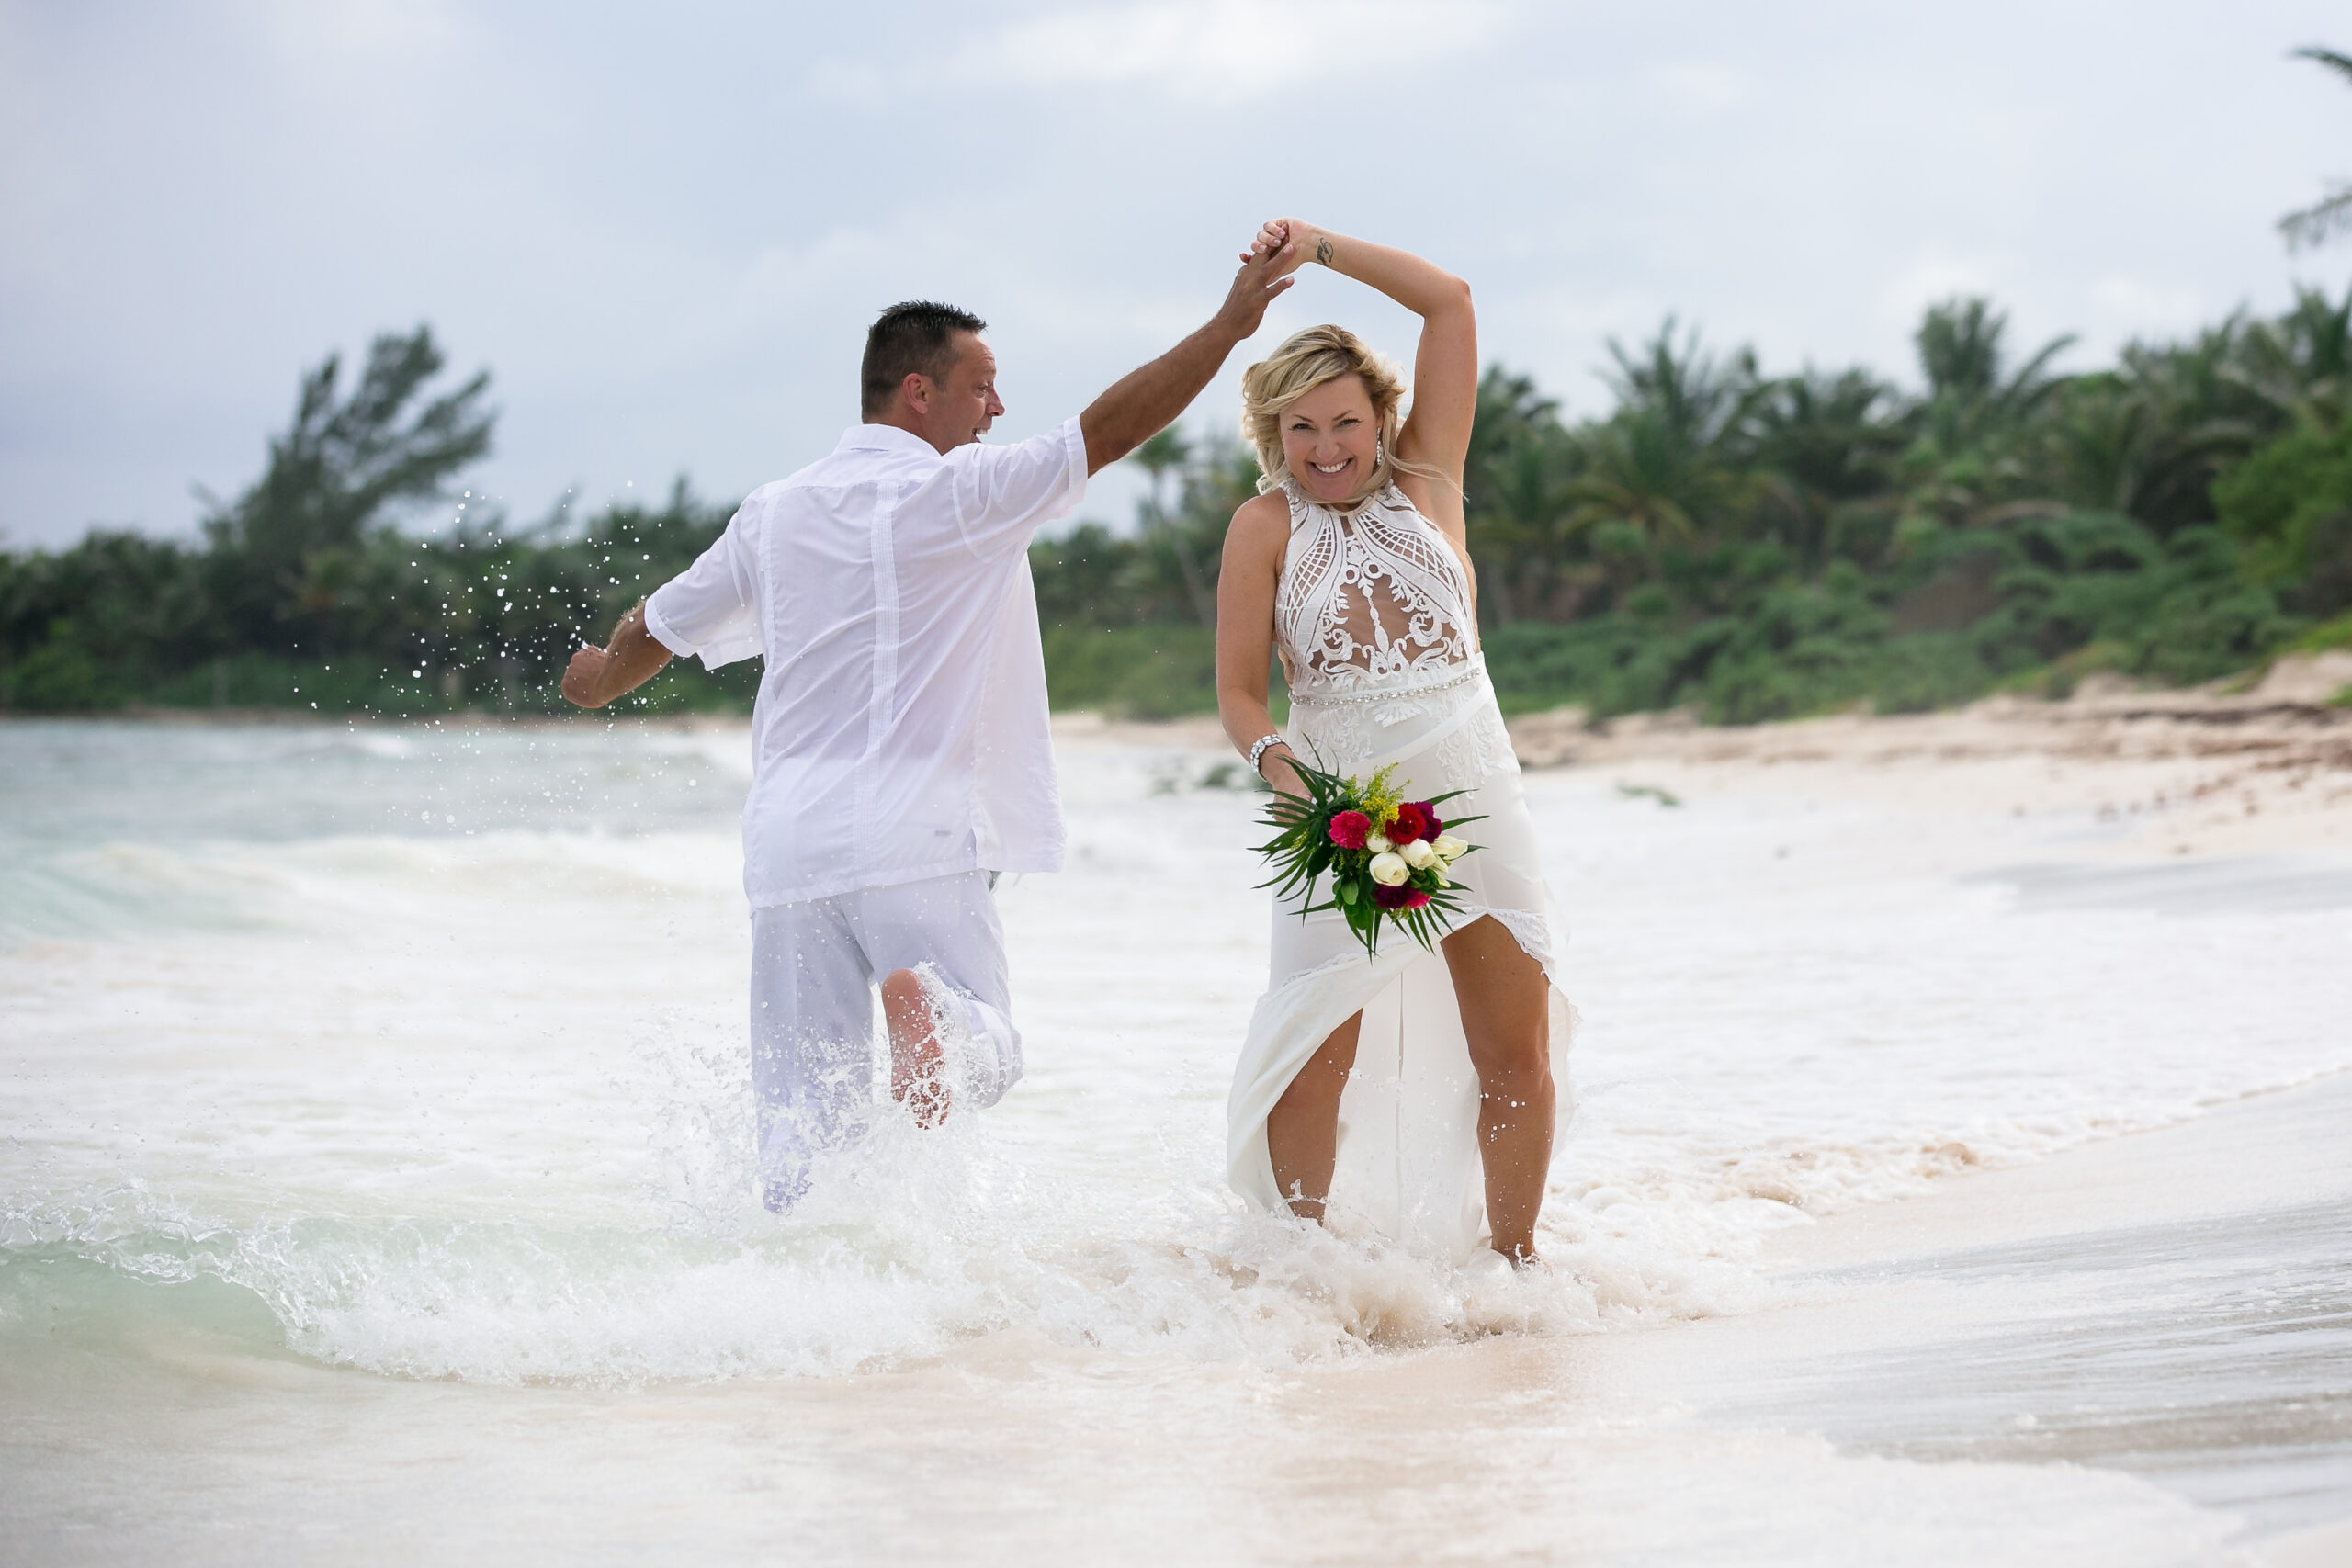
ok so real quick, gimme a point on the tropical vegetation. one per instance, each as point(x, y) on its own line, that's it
point(1745, 544)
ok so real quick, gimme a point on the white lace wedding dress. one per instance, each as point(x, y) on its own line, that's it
point(1372, 622)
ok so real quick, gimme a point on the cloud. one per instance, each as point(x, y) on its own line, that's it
point(1697, 88)
point(1225, 48)
point(362, 33)
point(2136, 305)
point(1936, 277)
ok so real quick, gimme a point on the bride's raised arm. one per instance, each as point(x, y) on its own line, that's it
point(1446, 366)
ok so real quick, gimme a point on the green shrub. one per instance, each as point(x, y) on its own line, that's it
point(2289, 504)
point(1145, 671)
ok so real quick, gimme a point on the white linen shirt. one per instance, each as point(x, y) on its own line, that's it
point(900, 731)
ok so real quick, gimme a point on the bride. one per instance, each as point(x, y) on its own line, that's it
point(1376, 1091)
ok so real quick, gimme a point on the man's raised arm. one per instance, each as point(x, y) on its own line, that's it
point(1146, 402)
point(599, 675)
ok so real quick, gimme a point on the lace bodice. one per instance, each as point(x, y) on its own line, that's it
point(1368, 600)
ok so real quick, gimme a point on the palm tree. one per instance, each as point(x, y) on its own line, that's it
point(1159, 457)
point(1969, 454)
point(2302, 364)
point(1970, 401)
point(1826, 441)
point(2314, 225)
point(1516, 496)
point(1660, 463)
point(1168, 452)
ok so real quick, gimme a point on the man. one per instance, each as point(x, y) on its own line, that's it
point(900, 753)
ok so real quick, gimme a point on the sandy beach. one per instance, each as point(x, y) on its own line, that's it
point(2208, 772)
point(1957, 1178)
point(2212, 772)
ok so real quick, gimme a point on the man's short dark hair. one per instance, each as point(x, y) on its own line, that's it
point(917, 338)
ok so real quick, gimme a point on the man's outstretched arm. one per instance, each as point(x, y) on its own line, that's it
point(1146, 402)
point(600, 675)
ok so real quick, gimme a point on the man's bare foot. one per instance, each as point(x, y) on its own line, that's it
point(918, 1079)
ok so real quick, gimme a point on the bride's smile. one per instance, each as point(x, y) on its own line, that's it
point(1329, 439)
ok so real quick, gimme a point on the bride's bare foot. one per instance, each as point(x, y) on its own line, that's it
point(918, 1079)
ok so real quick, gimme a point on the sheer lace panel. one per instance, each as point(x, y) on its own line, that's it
point(1370, 598)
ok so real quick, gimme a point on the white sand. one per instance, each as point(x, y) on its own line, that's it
point(2202, 773)
point(2177, 772)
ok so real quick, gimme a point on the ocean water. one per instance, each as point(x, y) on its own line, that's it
point(373, 1109)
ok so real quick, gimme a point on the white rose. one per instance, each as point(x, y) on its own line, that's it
point(1418, 854)
point(1389, 870)
point(1377, 843)
point(1449, 847)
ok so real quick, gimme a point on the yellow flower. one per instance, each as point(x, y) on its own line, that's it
point(1381, 798)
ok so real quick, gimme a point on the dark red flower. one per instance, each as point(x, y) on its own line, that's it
point(1410, 822)
point(1350, 828)
point(1404, 897)
point(1429, 818)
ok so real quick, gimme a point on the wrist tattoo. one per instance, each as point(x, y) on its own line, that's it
point(1323, 251)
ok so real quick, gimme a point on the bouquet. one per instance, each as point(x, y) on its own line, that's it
point(1387, 856)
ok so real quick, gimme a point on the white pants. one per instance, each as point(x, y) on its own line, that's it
point(814, 969)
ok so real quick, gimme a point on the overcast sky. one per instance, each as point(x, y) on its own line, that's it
point(664, 229)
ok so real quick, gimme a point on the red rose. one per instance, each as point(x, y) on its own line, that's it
point(1350, 828)
point(1410, 822)
point(1404, 897)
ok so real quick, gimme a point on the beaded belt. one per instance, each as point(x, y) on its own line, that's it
point(1471, 669)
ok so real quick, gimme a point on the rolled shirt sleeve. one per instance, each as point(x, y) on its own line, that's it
point(711, 610)
point(1003, 494)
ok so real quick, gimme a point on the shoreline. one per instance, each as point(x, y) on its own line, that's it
point(2309, 688)
point(2161, 1302)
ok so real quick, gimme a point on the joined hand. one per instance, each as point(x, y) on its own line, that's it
point(1292, 241)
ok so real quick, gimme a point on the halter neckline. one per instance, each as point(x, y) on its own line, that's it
point(1369, 596)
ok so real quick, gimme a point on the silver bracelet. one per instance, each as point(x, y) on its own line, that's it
point(1258, 752)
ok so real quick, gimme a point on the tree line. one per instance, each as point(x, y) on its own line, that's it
point(1761, 547)
point(1749, 545)
point(307, 591)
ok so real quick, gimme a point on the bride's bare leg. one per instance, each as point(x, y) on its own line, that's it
point(1506, 1013)
point(1303, 1129)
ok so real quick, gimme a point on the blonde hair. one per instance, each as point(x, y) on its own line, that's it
point(1305, 361)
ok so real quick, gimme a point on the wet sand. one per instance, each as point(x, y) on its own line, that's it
point(2175, 1305)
